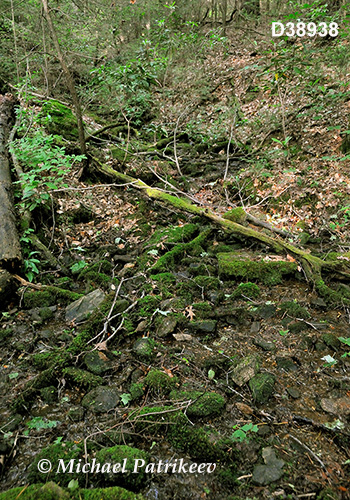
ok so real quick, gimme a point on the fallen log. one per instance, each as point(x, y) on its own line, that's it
point(312, 266)
point(10, 248)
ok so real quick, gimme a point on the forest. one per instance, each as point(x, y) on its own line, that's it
point(174, 249)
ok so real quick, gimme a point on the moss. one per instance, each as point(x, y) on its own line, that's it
point(250, 290)
point(136, 391)
point(45, 313)
point(99, 278)
point(170, 259)
point(5, 334)
point(208, 282)
point(173, 234)
point(95, 323)
point(237, 215)
point(56, 359)
point(202, 310)
point(120, 155)
point(241, 266)
point(159, 382)
point(164, 283)
point(49, 297)
point(116, 454)
point(82, 378)
point(59, 120)
point(103, 266)
point(51, 491)
point(204, 405)
point(148, 304)
point(261, 386)
point(66, 451)
point(330, 296)
point(198, 443)
point(292, 308)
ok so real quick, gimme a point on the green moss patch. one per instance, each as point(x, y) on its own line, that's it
point(237, 215)
point(208, 404)
point(249, 290)
point(48, 297)
point(81, 378)
point(239, 266)
point(59, 120)
point(159, 382)
point(51, 491)
point(292, 308)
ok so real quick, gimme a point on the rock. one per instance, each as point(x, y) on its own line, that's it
point(286, 364)
point(339, 406)
point(266, 311)
point(80, 309)
point(318, 302)
point(204, 405)
point(245, 370)
point(143, 350)
point(8, 287)
point(76, 414)
point(293, 392)
point(331, 341)
point(256, 325)
point(49, 394)
point(206, 326)
point(261, 386)
point(271, 471)
point(101, 399)
point(97, 362)
point(266, 346)
point(182, 337)
point(166, 326)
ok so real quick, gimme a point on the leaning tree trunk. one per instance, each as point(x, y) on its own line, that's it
point(10, 249)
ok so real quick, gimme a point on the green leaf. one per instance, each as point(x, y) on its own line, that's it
point(125, 398)
point(345, 341)
point(13, 375)
point(73, 484)
point(78, 266)
point(211, 374)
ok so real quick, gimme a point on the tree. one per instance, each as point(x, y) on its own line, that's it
point(69, 77)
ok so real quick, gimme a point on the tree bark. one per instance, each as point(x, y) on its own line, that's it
point(69, 78)
point(10, 248)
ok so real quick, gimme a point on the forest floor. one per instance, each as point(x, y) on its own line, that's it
point(203, 346)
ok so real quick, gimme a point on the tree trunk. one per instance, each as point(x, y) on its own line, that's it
point(10, 249)
point(69, 78)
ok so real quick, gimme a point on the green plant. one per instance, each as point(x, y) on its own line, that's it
point(39, 423)
point(242, 434)
point(30, 266)
point(46, 166)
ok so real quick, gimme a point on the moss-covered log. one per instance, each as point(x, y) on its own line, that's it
point(312, 266)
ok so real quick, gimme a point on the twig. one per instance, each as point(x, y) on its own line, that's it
point(309, 451)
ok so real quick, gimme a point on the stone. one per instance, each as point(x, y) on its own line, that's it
point(245, 370)
point(143, 350)
point(271, 471)
point(266, 346)
point(338, 406)
point(266, 311)
point(101, 399)
point(76, 414)
point(262, 386)
point(286, 364)
point(293, 392)
point(80, 309)
point(167, 325)
point(256, 325)
point(97, 362)
point(206, 326)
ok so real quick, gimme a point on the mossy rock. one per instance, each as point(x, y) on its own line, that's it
point(51, 491)
point(49, 297)
point(165, 282)
point(204, 405)
point(59, 120)
point(95, 322)
point(159, 382)
point(173, 234)
point(207, 282)
point(249, 290)
point(136, 391)
point(116, 455)
point(261, 386)
point(120, 155)
point(54, 453)
point(148, 304)
point(82, 378)
point(195, 441)
point(237, 215)
point(143, 350)
point(293, 309)
point(238, 266)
